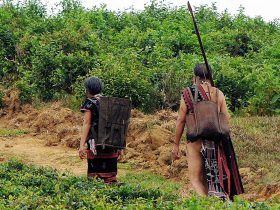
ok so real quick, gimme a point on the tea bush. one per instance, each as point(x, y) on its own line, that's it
point(31, 187)
point(146, 55)
point(25, 91)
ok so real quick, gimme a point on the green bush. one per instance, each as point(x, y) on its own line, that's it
point(31, 187)
point(7, 51)
point(120, 83)
point(25, 91)
point(267, 85)
point(1, 98)
point(154, 50)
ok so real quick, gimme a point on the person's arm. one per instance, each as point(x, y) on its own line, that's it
point(85, 130)
point(180, 124)
point(223, 106)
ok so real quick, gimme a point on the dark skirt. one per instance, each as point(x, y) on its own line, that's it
point(103, 165)
point(221, 169)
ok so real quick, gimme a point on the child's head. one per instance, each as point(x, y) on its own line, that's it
point(93, 85)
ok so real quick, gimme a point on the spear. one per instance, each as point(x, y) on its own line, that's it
point(200, 43)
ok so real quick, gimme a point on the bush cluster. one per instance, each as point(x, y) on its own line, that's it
point(146, 55)
point(30, 187)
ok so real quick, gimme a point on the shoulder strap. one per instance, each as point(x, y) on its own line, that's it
point(203, 93)
point(91, 100)
point(187, 98)
point(191, 96)
point(95, 97)
point(196, 88)
point(217, 96)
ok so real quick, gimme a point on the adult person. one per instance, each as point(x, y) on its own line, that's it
point(102, 162)
point(212, 165)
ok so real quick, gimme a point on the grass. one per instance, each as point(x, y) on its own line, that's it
point(30, 187)
point(12, 132)
point(257, 144)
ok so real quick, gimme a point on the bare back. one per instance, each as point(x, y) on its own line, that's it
point(183, 110)
point(213, 97)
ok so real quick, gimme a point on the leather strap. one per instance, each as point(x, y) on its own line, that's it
point(217, 95)
point(196, 89)
point(209, 92)
point(218, 111)
point(194, 108)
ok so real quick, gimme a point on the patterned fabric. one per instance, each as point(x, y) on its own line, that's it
point(103, 165)
point(222, 175)
point(209, 153)
point(91, 104)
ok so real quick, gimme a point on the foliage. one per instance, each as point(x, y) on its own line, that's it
point(25, 91)
point(30, 187)
point(146, 55)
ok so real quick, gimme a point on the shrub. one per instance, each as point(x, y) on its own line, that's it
point(154, 49)
point(30, 187)
point(25, 91)
point(120, 83)
point(1, 98)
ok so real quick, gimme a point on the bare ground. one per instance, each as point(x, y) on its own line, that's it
point(53, 137)
point(34, 151)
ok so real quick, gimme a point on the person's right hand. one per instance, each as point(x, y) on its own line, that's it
point(175, 152)
point(82, 152)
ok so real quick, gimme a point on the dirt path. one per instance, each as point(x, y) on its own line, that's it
point(33, 151)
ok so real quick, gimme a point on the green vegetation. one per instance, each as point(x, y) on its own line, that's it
point(12, 132)
point(1, 98)
point(30, 187)
point(256, 141)
point(145, 55)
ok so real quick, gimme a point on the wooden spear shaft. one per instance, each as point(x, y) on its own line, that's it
point(200, 43)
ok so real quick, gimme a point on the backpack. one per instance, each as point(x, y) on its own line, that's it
point(204, 121)
point(114, 115)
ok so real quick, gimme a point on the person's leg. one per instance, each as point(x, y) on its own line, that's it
point(195, 167)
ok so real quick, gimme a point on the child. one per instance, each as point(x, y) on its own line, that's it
point(102, 163)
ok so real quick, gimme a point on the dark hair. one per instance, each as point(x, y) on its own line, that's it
point(93, 85)
point(200, 70)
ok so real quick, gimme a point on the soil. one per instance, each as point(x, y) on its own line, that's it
point(53, 139)
point(33, 151)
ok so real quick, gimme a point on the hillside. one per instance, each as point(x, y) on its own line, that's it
point(149, 143)
point(146, 55)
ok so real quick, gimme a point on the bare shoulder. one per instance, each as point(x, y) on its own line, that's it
point(183, 106)
point(221, 94)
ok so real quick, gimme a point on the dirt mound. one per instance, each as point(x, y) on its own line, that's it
point(149, 143)
point(149, 140)
point(53, 123)
point(272, 190)
point(11, 103)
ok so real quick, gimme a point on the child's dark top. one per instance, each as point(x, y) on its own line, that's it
point(92, 105)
